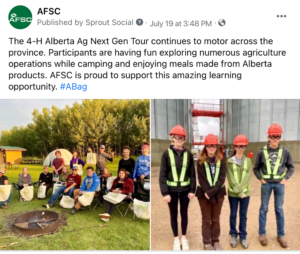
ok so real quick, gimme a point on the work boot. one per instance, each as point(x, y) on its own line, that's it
point(233, 240)
point(244, 243)
point(217, 246)
point(208, 247)
point(282, 241)
point(263, 240)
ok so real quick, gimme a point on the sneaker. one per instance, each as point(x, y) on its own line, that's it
point(208, 247)
point(104, 219)
point(233, 240)
point(185, 244)
point(217, 246)
point(282, 241)
point(176, 245)
point(244, 243)
point(104, 215)
point(74, 210)
point(263, 240)
point(47, 206)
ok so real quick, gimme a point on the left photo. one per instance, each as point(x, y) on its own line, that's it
point(75, 174)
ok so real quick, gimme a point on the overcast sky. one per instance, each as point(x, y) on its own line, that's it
point(208, 125)
point(19, 112)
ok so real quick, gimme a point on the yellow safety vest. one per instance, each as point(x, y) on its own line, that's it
point(245, 166)
point(212, 182)
point(273, 172)
point(178, 182)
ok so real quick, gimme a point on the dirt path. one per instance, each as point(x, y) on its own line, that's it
point(162, 237)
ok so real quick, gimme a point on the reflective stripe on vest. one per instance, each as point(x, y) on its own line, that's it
point(208, 174)
point(269, 167)
point(181, 181)
point(245, 167)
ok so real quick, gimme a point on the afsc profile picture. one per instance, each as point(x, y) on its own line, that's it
point(20, 17)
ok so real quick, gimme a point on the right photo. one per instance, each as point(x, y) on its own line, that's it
point(224, 174)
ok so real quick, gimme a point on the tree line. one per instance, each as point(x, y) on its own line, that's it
point(114, 123)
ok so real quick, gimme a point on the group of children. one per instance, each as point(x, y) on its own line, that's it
point(178, 183)
point(129, 172)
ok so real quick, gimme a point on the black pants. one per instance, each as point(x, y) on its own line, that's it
point(110, 207)
point(173, 207)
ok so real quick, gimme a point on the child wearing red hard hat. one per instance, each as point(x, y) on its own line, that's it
point(177, 182)
point(239, 171)
point(211, 169)
point(270, 165)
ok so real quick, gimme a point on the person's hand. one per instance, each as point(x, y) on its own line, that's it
point(283, 181)
point(80, 192)
point(263, 181)
point(142, 177)
point(206, 195)
point(112, 154)
point(191, 195)
point(134, 179)
point(66, 190)
point(167, 198)
point(243, 196)
point(44, 183)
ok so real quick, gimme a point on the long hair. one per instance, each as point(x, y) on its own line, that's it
point(108, 174)
point(203, 156)
point(126, 175)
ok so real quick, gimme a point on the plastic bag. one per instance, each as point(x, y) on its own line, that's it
point(109, 182)
point(91, 159)
point(86, 198)
point(56, 186)
point(42, 191)
point(4, 192)
point(114, 198)
point(141, 209)
point(27, 193)
point(55, 177)
point(67, 202)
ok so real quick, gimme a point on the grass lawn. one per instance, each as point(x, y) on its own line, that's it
point(120, 233)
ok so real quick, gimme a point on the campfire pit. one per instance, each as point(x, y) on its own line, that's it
point(37, 222)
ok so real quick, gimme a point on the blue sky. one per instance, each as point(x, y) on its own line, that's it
point(19, 112)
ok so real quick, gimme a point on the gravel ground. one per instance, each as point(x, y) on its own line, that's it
point(162, 237)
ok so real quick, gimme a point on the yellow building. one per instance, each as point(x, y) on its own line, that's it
point(11, 154)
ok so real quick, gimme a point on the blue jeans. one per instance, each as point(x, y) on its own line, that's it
point(266, 191)
point(58, 192)
point(234, 204)
point(9, 198)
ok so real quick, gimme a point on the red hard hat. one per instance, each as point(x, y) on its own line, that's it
point(211, 139)
point(240, 140)
point(178, 130)
point(275, 129)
